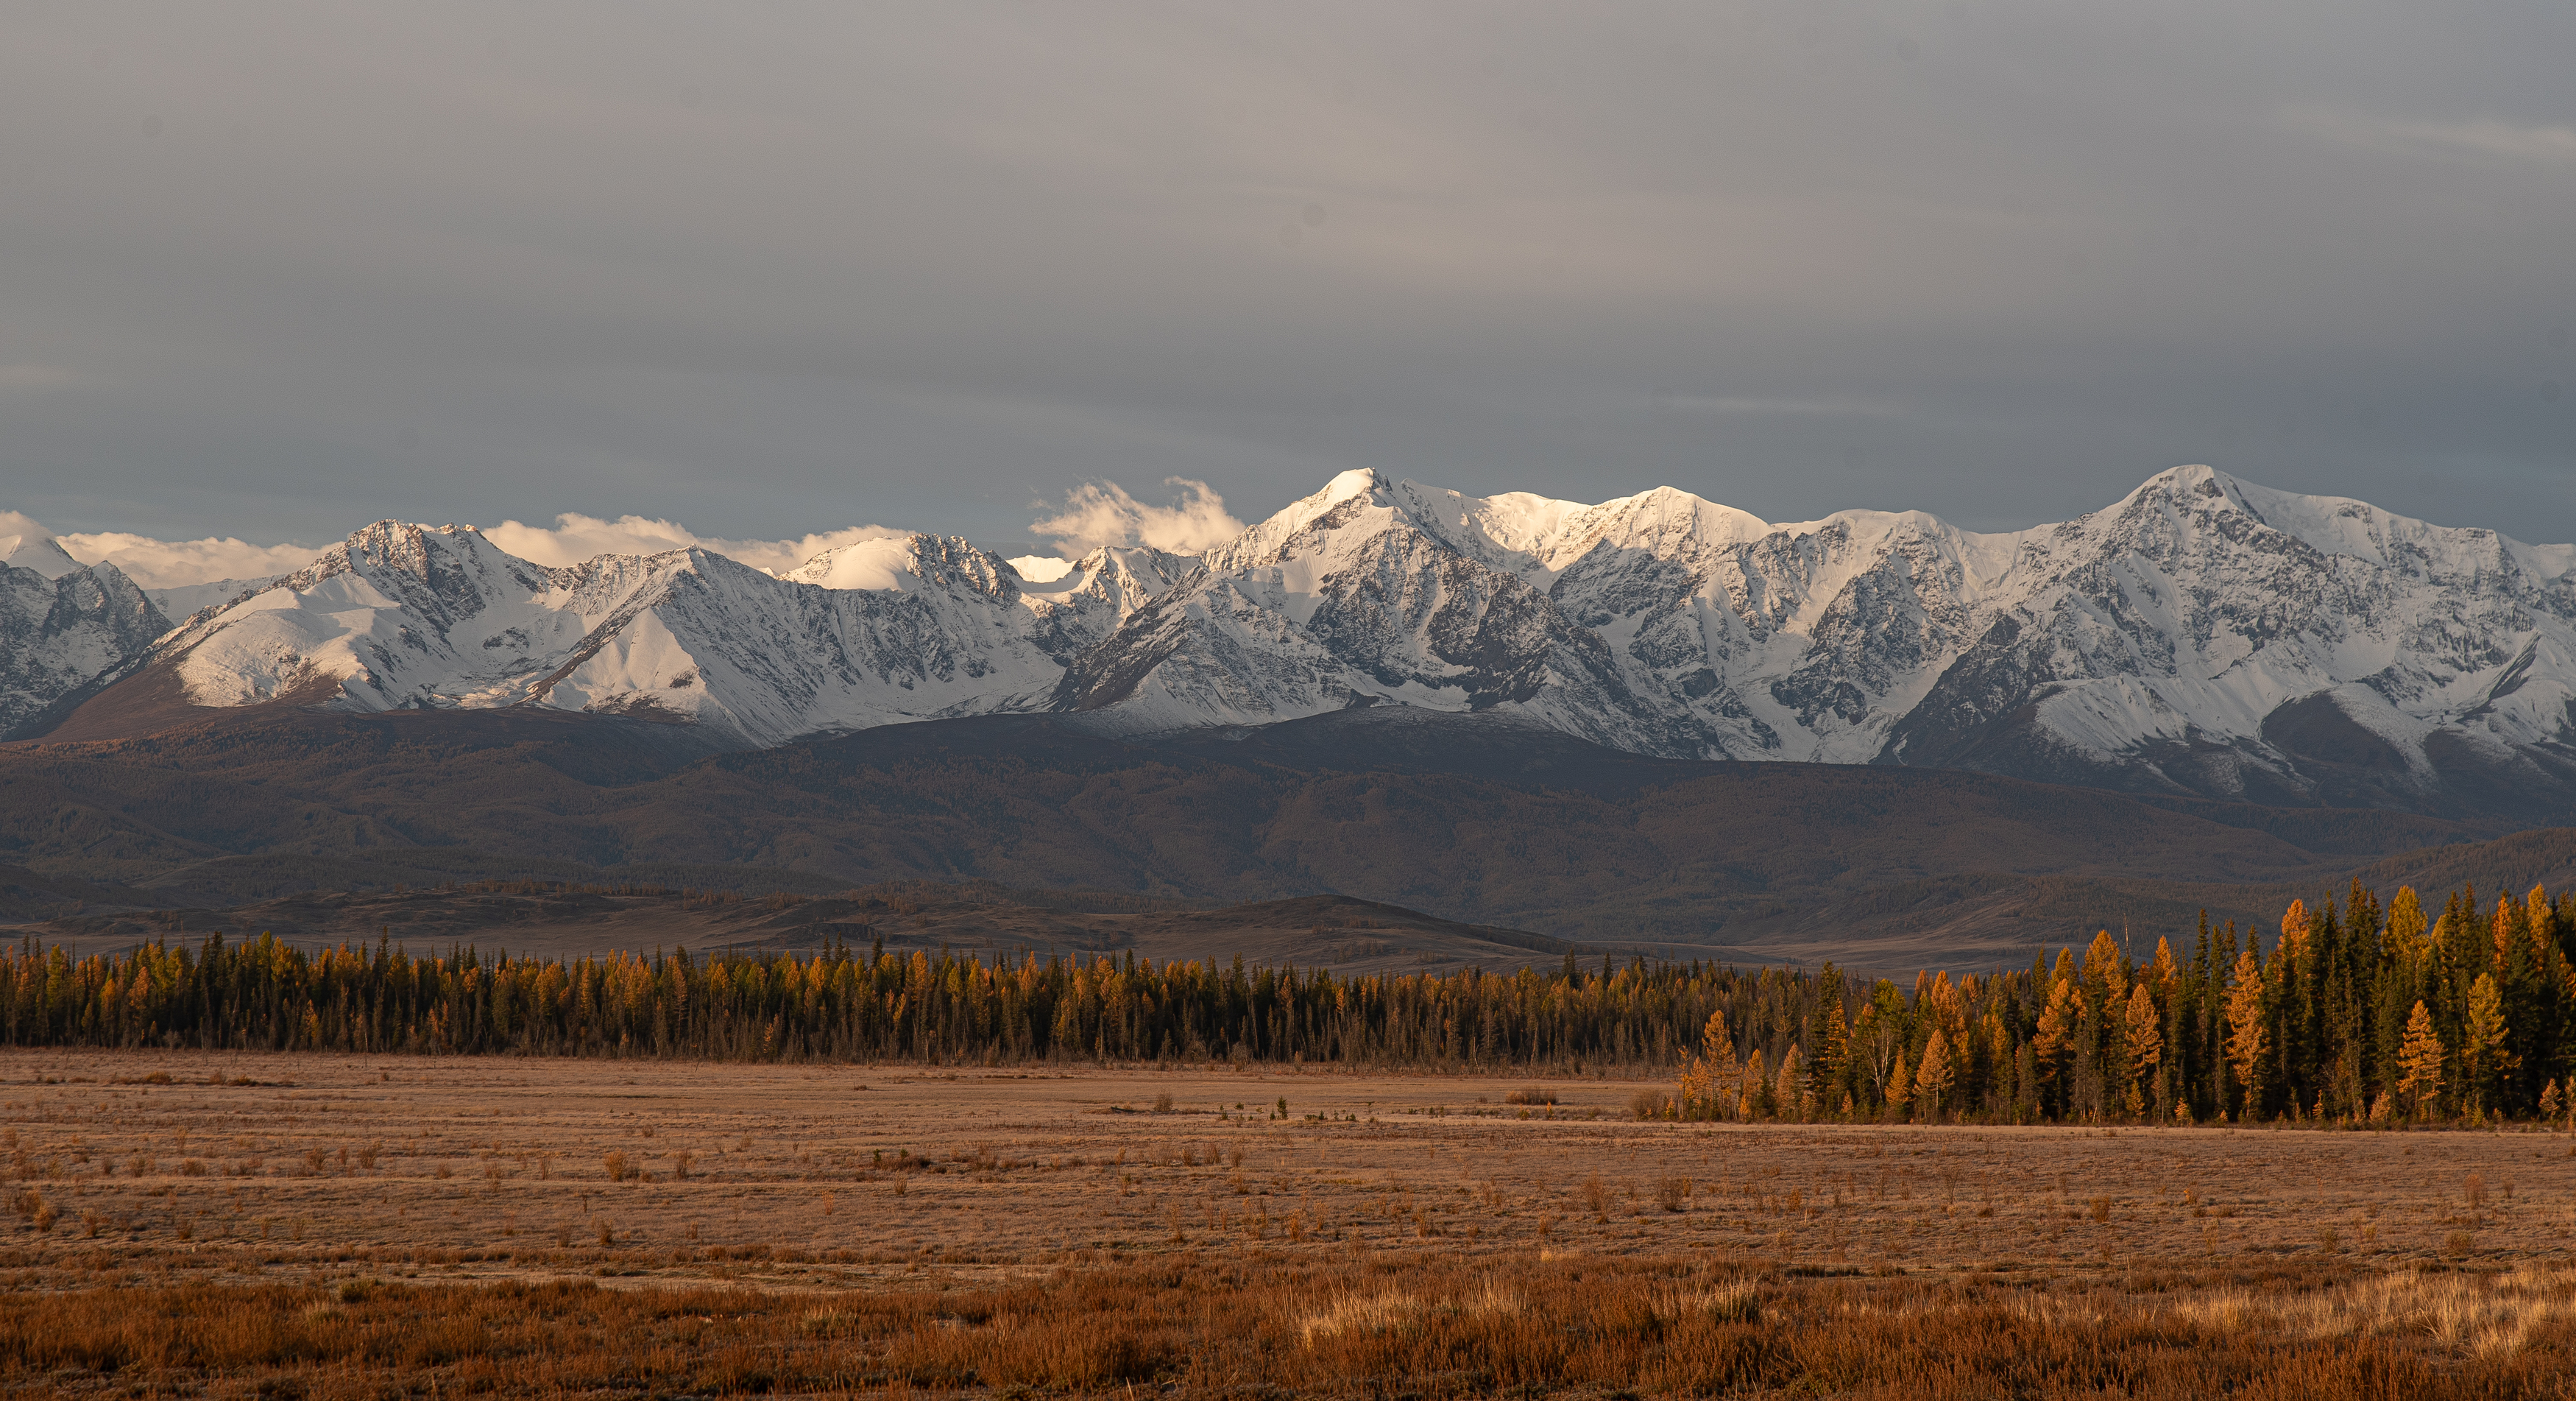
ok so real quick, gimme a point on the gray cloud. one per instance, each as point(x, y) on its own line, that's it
point(270, 272)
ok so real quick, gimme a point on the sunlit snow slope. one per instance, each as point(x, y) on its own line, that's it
point(404, 616)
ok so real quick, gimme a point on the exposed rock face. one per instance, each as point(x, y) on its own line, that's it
point(65, 629)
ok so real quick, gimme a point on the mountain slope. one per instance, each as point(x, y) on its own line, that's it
point(1476, 820)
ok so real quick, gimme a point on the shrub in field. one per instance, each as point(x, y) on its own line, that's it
point(1596, 1197)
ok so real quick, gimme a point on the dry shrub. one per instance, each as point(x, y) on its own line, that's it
point(1163, 1102)
point(618, 1168)
point(1673, 1193)
point(1596, 1197)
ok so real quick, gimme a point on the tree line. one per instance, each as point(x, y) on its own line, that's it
point(2351, 1012)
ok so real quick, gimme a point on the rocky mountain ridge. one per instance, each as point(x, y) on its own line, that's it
point(2202, 635)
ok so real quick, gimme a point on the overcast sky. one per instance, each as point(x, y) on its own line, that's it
point(273, 271)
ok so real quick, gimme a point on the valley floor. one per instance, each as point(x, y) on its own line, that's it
point(874, 1214)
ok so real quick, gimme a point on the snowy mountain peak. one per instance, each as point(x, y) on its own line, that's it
point(40, 554)
point(1359, 481)
point(906, 563)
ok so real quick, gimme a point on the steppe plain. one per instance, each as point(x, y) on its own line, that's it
point(839, 1220)
point(329, 1166)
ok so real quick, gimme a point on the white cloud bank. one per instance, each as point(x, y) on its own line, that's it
point(173, 564)
point(1096, 514)
point(1103, 513)
point(1041, 569)
point(576, 537)
point(179, 564)
point(2483, 139)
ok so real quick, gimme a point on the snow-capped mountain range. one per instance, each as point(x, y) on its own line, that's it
point(2202, 635)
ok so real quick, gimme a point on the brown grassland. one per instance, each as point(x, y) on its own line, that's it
point(378, 1226)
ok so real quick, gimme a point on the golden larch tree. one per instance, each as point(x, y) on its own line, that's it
point(2483, 1057)
point(1933, 1078)
point(2146, 1045)
point(2404, 936)
point(2056, 1027)
point(2294, 930)
point(2420, 1057)
point(1790, 1088)
point(2245, 1030)
point(2102, 961)
point(1707, 1087)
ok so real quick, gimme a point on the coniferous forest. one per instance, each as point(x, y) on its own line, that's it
point(2350, 1012)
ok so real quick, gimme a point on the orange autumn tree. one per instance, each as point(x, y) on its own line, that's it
point(2247, 1034)
point(1933, 1078)
point(2145, 1044)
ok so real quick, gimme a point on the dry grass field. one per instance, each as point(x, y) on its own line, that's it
point(329, 1225)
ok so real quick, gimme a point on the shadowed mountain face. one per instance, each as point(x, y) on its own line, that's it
point(65, 635)
point(1485, 820)
point(2202, 637)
